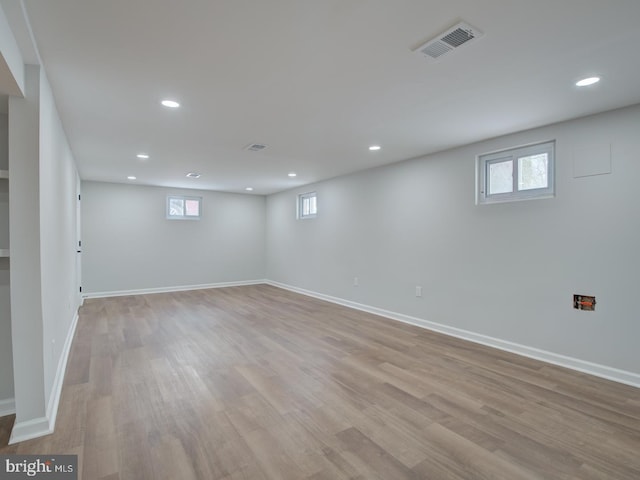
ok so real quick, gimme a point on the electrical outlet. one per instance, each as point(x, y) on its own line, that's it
point(356, 281)
point(584, 302)
point(418, 291)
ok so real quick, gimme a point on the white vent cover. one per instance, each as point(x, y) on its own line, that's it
point(447, 42)
point(255, 147)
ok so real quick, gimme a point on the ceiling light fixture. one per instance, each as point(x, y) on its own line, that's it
point(255, 147)
point(249, 189)
point(170, 103)
point(193, 175)
point(373, 148)
point(131, 177)
point(585, 82)
point(293, 174)
point(144, 156)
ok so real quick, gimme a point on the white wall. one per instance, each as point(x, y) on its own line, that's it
point(507, 271)
point(42, 183)
point(128, 244)
point(6, 353)
point(58, 197)
point(24, 208)
point(11, 64)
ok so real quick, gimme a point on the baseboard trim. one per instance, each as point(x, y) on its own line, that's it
point(56, 390)
point(180, 288)
point(7, 406)
point(30, 429)
point(39, 427)
point(602, 371)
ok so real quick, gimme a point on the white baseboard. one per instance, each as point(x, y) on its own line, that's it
point(603, 371)
point(39, 427)
point(180, 288)
point(7, 406)
point(30, 429)
point(56, 389)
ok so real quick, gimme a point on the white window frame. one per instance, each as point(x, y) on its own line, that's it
point(485, 160)
point(184, 216)
point(301, 199)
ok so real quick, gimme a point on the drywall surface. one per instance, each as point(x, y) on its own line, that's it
point(128, 244)
point(507, 271)
point(24, 207)
point(12, 74)
point(58, 194)
point(6, 353)
point(43, 275)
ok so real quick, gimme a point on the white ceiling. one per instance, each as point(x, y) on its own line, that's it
point(317, 81)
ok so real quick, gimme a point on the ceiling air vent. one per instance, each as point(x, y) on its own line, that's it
point(450, 40)
point(255, 147)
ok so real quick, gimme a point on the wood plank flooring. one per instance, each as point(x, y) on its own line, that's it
point(259, 383)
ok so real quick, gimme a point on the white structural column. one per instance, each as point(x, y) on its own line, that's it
point(26, 303)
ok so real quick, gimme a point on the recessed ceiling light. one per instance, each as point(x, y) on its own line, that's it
point(170, 103)
point(193, 175)
point(293, 174)
point(373, 148)
point(131, 177)
point(142, 155)
point(249, 189)
point(587, 81)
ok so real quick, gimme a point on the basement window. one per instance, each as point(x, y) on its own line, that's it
point(307, 205)
point(521, 173)
point(183, 208)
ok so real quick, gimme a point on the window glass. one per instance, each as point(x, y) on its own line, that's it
point(500, 177)
point(533, 172)
point(176, 207)
point(192, 208)
point(307, 205)
point(520, 173)
point(184, 208)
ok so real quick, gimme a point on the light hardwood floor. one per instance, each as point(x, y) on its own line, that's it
point(260, 383)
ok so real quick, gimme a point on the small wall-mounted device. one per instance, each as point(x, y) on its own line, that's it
point(584, 302)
